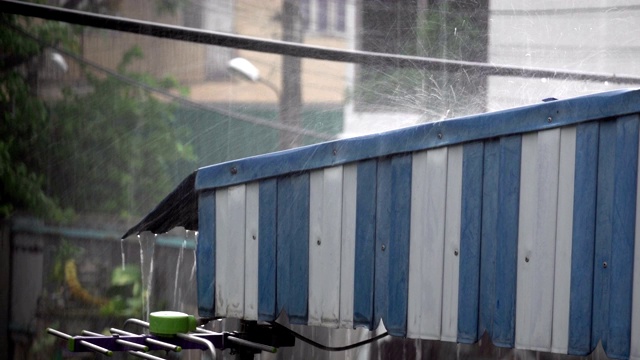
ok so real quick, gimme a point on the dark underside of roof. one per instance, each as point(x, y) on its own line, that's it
point(179, 208)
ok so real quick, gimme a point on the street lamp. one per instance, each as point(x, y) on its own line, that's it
point(288, 111)
point(248, 71)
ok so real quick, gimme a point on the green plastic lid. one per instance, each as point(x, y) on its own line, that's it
point(168, 323)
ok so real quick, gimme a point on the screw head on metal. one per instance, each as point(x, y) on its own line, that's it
point(455, 252)
point(335, 152)
point(383, 247)
point(318, 242)
point(604, 264)
point(526, 259)
point(234, 170)
point(440, 135)
point(549, 119)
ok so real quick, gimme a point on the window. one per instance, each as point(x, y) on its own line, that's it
point(323, 16)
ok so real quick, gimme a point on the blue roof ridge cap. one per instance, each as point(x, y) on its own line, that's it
point(429, 135)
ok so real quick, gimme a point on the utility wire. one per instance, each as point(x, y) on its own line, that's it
point(294, 49)
point(177, 98)
point(331, 348)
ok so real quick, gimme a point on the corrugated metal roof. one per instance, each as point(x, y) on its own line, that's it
point(520, 223)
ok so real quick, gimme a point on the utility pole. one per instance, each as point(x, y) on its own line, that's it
point(291, 94)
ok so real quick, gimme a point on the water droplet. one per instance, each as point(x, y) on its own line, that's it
point(122, 252)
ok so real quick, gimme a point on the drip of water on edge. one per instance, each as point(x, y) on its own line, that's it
point(195, 258)
point(178, 265)
point(147, 248)
point(122, 252)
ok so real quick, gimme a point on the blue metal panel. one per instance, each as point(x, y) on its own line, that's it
point(489, 236)
point(293, 247)
point(425, 136)
point(623, 237)
point(396, 321)
point(507, 242)
point(267, 250)
point(382, 226)
point(470, 237)
point(392, 243)
point(604, 203)
point(582, 250)
point(365, 243)
point(499, 246)
point(206, 249)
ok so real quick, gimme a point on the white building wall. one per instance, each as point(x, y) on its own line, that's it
point(599, 36)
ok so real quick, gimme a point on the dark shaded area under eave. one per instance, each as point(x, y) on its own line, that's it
point(179, 208)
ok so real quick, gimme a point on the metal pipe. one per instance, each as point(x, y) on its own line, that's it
point(167, 346)
point(251, 344)
point(121, 332)
point(96, 348)
point(120, 341)
point(59, 334)
point(294, 49)
point(198, 340)
point(205, 331)
point(90, 333)
point(138, 322)
point(133, 345)
point(145, 356)
point(86, 344)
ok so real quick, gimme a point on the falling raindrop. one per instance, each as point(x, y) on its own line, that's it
point(147, 248)
point(195, 258)
point(122, 252)
point(178, 265)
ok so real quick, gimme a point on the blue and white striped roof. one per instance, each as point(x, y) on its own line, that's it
point(521, 223)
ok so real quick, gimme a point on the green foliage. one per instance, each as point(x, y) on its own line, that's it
point(113, 149)
point(66, 250)
point(116, 146)
point(125, 293)
point(24, 125)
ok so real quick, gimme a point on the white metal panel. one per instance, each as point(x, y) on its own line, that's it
point(537, 239)
point(230, 231)
point(634, 351)
point(426, 243)
point(348, 253)
point(252, 240)
point(453, 215)
point(325, 230)
point(564, 240)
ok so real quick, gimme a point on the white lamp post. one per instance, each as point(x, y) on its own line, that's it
point(248, 71)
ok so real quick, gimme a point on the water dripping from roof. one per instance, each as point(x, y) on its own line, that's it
point(147, 249)
point(178, 266)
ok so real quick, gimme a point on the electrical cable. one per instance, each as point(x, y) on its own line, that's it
point(294, 49)
point(330, 348)
point(177, 98)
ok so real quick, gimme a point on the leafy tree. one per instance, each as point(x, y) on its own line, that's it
point(123, 143)
point(23, 129)
point(107, 150)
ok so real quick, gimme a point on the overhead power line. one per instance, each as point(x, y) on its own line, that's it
point(177, 98)
point(294, 49)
